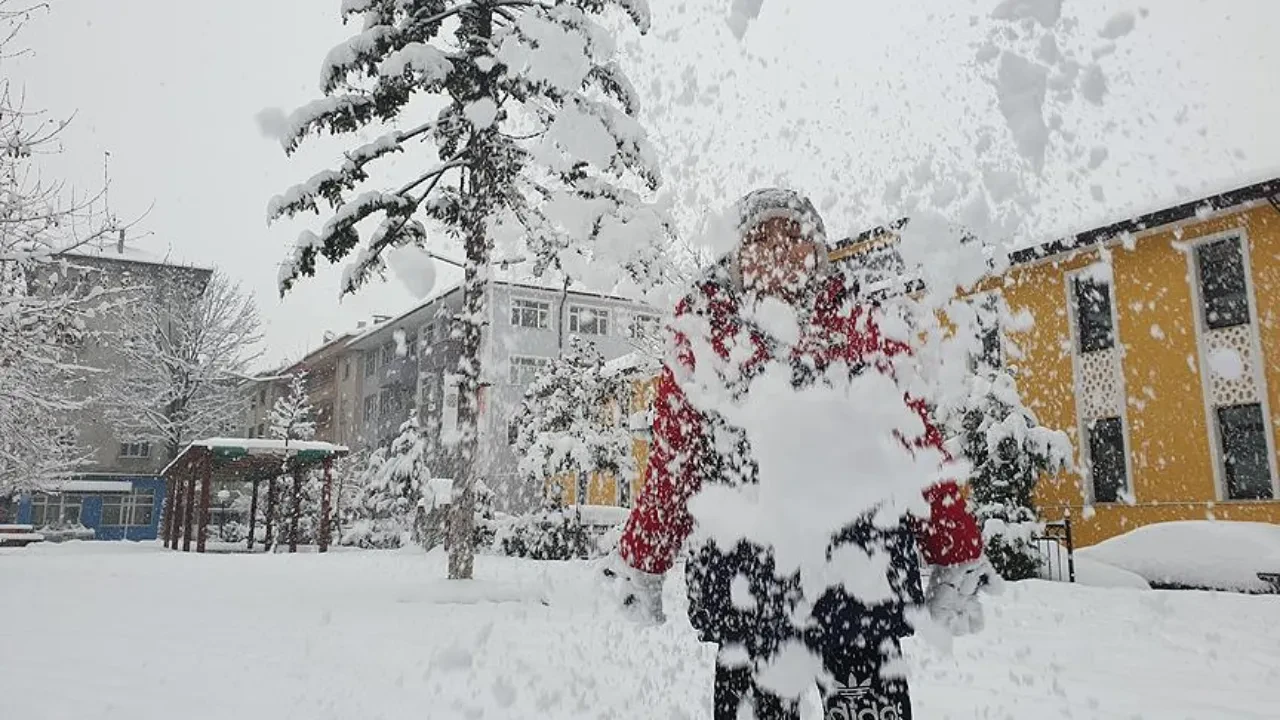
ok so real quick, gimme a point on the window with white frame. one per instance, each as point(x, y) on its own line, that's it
point(534, 314)
point(643, 326)
point(388, 353)
point(370, 408)
point(428, 334)
point(56, 510)
point(140, 449)
point(524, 370)
point(1224, 291)
point(1107, 466)
point(370, 362)
point(1094, 323)
point(129, 509)
point(1246, 462)
point(586, 320)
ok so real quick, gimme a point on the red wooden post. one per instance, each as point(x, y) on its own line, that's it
point(206, 483)
point(253, 513)
point(271, 511)
point(297, 508)
point(188, 512)
point(326, 499)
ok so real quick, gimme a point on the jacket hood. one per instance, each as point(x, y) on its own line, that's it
point(765, 204)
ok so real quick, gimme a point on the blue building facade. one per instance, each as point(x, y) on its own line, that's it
point(115, 507)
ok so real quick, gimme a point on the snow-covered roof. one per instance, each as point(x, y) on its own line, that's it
point(262, 446)
point(269, 445)
point(130, 253)
point(94, 486)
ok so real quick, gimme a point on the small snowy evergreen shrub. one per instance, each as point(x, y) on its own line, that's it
point(1008, 451)
point(552, 533)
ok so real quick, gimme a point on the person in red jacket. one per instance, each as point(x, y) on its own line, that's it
point(782, 255)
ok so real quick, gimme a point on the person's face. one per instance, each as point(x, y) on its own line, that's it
point(777, 259)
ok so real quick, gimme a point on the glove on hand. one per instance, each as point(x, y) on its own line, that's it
point(638, 592)
point(953, 594)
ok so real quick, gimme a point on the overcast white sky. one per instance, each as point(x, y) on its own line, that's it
point(831, 96)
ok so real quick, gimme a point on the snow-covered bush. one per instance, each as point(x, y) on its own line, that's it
point(572, 421)
point(552, 533)
point(1008, 451)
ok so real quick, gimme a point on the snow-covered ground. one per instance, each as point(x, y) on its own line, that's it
point(110, 630)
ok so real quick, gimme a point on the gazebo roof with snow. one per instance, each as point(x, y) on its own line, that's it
point(248, 457)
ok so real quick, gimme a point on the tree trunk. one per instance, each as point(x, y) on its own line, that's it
point(481, 178)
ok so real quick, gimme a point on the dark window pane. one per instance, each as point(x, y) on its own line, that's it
point(143, 504)
point(1223, 289)
point(1246, 469)
point(1106, 459)
point(111, 509)
point(1093, 315)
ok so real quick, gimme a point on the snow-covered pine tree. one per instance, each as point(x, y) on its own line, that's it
point(572, 420)
point(392, 483)
point(534, 156)
point(1008, 451)
point(291, 416)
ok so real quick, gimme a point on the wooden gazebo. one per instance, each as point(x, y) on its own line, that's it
point(245, 459)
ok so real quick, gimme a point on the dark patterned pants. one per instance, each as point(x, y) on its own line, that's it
point(861, 694)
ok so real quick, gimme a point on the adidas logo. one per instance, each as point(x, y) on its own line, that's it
point(855, 689)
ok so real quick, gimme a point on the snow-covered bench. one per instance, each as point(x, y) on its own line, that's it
point(18, 535)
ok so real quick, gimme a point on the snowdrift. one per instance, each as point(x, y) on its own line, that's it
point(1204, 554)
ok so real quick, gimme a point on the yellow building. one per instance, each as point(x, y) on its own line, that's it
point(1156, 347)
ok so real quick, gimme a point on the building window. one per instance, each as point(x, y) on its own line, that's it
point(346, 369)
point(1093, 315)
point(135, 449)
point(642, 326)
point(370, 408)
point(1107, 459)
point(128, 509)
point(524, 370)
point(1223, 289)
point(588, 320)
point(429, 334)
point(534, 314)
point(56, 510)
point(1245, 464)
point(513, 432)
point(262, 430)
point(370, 362)
point(250, 432)
point(262, 397)
point(388, 353)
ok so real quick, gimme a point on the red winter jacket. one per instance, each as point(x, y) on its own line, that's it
point(660, 521)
